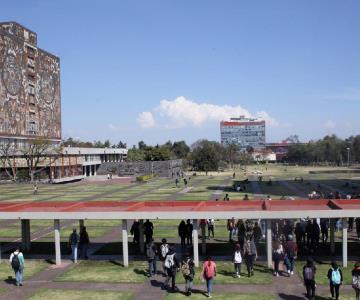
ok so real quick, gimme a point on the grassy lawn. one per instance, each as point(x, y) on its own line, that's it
point(31, 268)
point(223, 296)
point(3, 290)
point(57, 294)
point(105, 271)
point(321, 273)
point(225, 274)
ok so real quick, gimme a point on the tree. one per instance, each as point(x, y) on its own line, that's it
point(231, 153)
point(142, 145)
point(39, 152)
point(180, 149)
point(293, 139)
point(206, 156)
point(8, 152)
point(120, 144)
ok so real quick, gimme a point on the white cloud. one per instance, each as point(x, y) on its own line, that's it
point(184, 112)
point(329, 124)
point(146, 119)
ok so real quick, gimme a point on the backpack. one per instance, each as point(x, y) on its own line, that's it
point(74, 239)
point(185, 268)
point(169, 261)
point(164, 249)
point(335, 276)
point(15, 262)
point(150, 253)
point(209, 271)
point(291, 250)
point(309, 273)
point(356, 282)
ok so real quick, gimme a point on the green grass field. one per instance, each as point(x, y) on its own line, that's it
point(58, 294)
point(32, 267)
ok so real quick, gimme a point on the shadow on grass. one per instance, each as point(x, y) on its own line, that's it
point(141, 272)
point(290, 297)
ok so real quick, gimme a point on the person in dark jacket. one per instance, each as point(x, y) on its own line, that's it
point(356, 280)
point(135, 231)
point(182, 232)
point(84, 243)
point(335, 279)
point(290, 249)
point(171, 265)
point(189, 230)
point(151, 252)
point(148, 230)
point(309, 272)
point(250, 254)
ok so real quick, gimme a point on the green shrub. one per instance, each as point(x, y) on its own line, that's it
point(143, 178)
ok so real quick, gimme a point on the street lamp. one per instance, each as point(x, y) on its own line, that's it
point(348, 156)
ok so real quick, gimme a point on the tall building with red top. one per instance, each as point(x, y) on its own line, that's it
point(244, 132)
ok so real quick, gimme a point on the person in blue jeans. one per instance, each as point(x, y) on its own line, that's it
point(209, 273)
point(290, 249)
point(18, 263)
point(74, 243)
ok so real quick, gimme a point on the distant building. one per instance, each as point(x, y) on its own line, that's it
point(280, 149)
point(29, 87)
point(244, 132)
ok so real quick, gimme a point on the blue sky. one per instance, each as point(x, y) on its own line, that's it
point(169, 70)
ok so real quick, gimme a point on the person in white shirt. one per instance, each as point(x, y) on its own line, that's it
point(211, 226)
point(237, 261)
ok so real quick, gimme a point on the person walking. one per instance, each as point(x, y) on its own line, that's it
point(250, 255)
point(237, 261)
point(74, 243)
point(208, 274)
point(17, 263)
point(151, 253)
point(309, 271)
point(135, 231)
point(211, 227)
point(335, 280)
point(231, 227)
point(356, 280)
point(84, 243)
point(189, 230)
point(188, 271)
point(164, 249)
point(278, 255)
point(148, 231)
point(290, 250)
point(171, 265)
point(182, 232)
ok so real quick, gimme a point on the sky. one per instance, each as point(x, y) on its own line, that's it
point(171, 70)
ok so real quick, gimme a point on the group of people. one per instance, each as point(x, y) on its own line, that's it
point(79, 244)
point(172, 264)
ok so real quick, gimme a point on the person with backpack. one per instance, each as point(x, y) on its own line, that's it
point(171, 265)
point(309, 271)
point(208, 273)
point(291, 249)
point(164, 249)
point(278, 254)
point(250, 254)
point(335, 278)
point(84, 243)
point(74, 243)
point(356, 280)
point(188, 271)
point(151, 253)
point(18, 264)
point(237, 261)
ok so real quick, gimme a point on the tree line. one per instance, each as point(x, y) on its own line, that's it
point(331, 149)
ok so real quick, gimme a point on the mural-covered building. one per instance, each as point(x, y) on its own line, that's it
point(29, 87)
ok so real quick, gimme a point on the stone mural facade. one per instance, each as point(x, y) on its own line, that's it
point(29, 86)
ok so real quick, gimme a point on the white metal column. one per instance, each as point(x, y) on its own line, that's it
point(269, 243)
point(57, 242)
point(125, 243)
point(344, 242)
point(195, 242)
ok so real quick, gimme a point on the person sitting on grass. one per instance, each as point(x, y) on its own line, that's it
point(335, 279)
